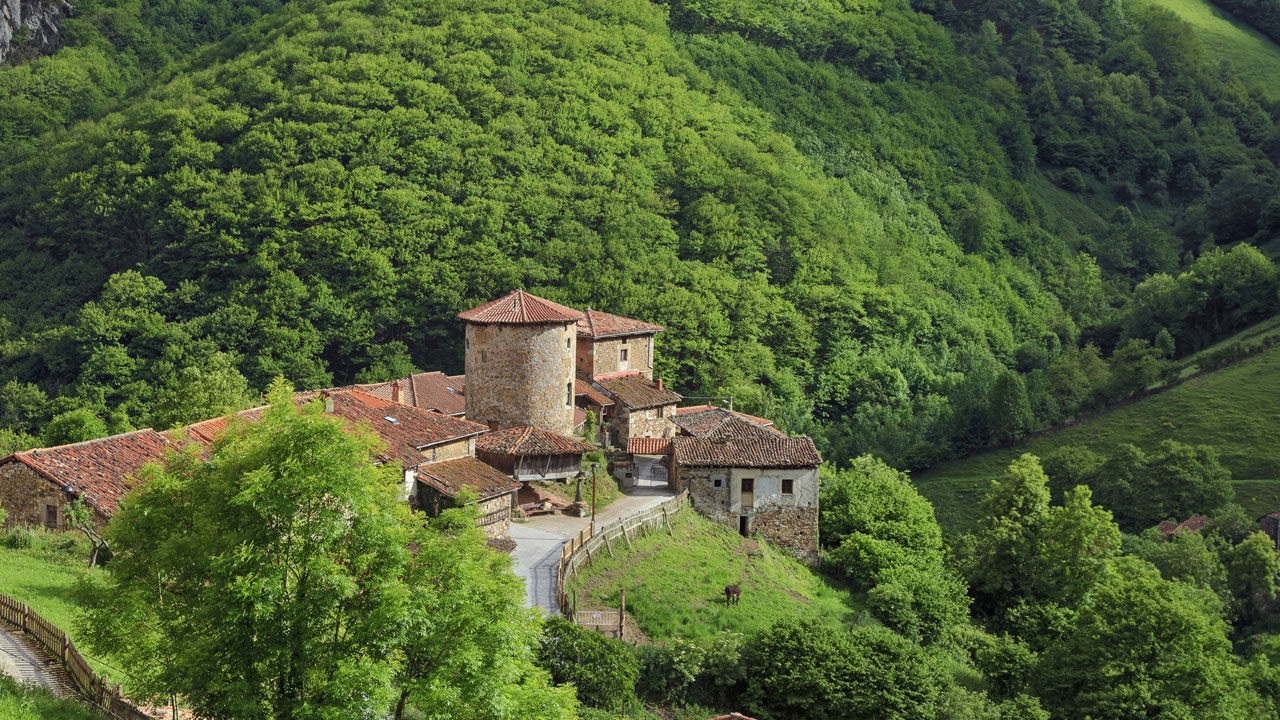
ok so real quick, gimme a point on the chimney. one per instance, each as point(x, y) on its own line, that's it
point(659, 383)
point(328, 402)
point(395, 391)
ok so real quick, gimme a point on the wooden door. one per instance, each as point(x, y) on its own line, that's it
point(748, 492)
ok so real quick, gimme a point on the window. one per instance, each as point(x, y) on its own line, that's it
point(717, 482)
point(622, 355)
point(568, 394)
point(748, 485)
point(567, 342)
point(786, 486)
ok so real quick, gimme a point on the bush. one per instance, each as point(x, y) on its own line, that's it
point(19, 539)
point(667, 672)
point(604, 671)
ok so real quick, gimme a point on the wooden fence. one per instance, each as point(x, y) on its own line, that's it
point(586, 544)
point(98, 690)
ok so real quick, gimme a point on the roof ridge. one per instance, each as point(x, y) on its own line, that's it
point(33, 451)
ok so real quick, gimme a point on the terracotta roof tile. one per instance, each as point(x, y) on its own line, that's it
point(595, 324)
point(520, 308)
point(704, 420)
point(450, 476)
point(582, 387)
point(102, 471)
point(732, 716)
point(756, 451)
point(649, 446)
point(429, 391)
point(579, 416)
point(529, 440)
point(637, 392)
point(1194, 524)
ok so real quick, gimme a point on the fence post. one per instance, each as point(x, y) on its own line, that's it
point(622, 611)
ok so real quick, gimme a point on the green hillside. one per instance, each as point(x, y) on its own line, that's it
point(1249, 53)
point(1235, 410)
point(675, 584)
point(876, 223)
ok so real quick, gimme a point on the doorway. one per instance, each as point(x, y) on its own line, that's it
point(744, 526)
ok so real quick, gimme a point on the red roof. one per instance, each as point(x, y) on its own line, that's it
point(1195, 523)
point(429, 391)
point(404, 430)
point(707, 420)
point(529, 440)
point(520, 308)
point(649, 446)
point(595, 324)
point(450, 476)
point(102, 471)
point(732, 716)
point(637, 392)
point(579, 416)
point(754, 451)
point(582, 387)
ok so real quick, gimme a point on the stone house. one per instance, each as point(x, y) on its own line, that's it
point(520, 371)
point(36, 484)
point(706, 420)
point(643, 407)
point(531, 453)
point(428, 391)
point(754, 479)
point(609, 344)
point(440, 483)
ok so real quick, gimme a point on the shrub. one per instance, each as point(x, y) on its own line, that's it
point(667, 672)
point(19, 539)
point(604, 671)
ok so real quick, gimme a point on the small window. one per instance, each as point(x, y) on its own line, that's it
point(622, 354)
point(624, 342)
point(718, 482)
point(786, 486)
point(567, 342)
point(568, 394)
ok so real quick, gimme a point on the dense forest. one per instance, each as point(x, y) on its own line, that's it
point(846, 215)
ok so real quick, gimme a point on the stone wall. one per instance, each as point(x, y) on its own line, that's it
point(650, 422)
point(787, 520)
point(24, 494)
point(520, 374)
point(450, 451)
point(604, 356)
point(501, 528)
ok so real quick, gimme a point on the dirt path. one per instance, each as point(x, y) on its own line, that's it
point(21, 659)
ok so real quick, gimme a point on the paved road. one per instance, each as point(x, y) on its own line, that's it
point(21, 659)
point(538, 541)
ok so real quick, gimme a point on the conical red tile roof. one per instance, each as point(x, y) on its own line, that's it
point(520, 308)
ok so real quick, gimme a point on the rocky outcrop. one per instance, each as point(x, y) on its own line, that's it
point(31, 27)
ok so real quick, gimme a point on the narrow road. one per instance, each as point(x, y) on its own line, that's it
point(538, 542)
point(22, 660)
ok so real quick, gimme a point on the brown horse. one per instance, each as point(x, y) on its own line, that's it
point(731, 595)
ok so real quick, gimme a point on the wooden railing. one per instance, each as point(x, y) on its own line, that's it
point(98, 690)
point(586, 544)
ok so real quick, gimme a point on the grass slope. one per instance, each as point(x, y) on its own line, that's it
point(675, 583)
point(1249, 52)
point(20, 702)
point(1235, 410)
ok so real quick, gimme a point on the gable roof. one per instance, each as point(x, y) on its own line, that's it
point(529, 440)
point(1194, 524)
point(596, 324)
point(428, 390)
point(594, 396)
point(404, 430)
point(451, 476)
point(102, 471)
point(753, 451)
point(637, 392)
point(709, 420)
point(520, 308)
point(648, 446)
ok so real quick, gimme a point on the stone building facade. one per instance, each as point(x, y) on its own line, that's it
point(756, 484)
point(610, 344)
point(29, 498)
point(520, 358)
point(643, 407)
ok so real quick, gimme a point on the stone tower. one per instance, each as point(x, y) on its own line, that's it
point(520, 363)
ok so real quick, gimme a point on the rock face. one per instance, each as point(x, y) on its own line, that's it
point(31, 27)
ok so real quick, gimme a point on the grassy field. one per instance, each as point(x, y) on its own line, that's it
point(18, 702)
point(44, 577)
point(1235, 410)
point(675, 583)
point(1253, 56)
